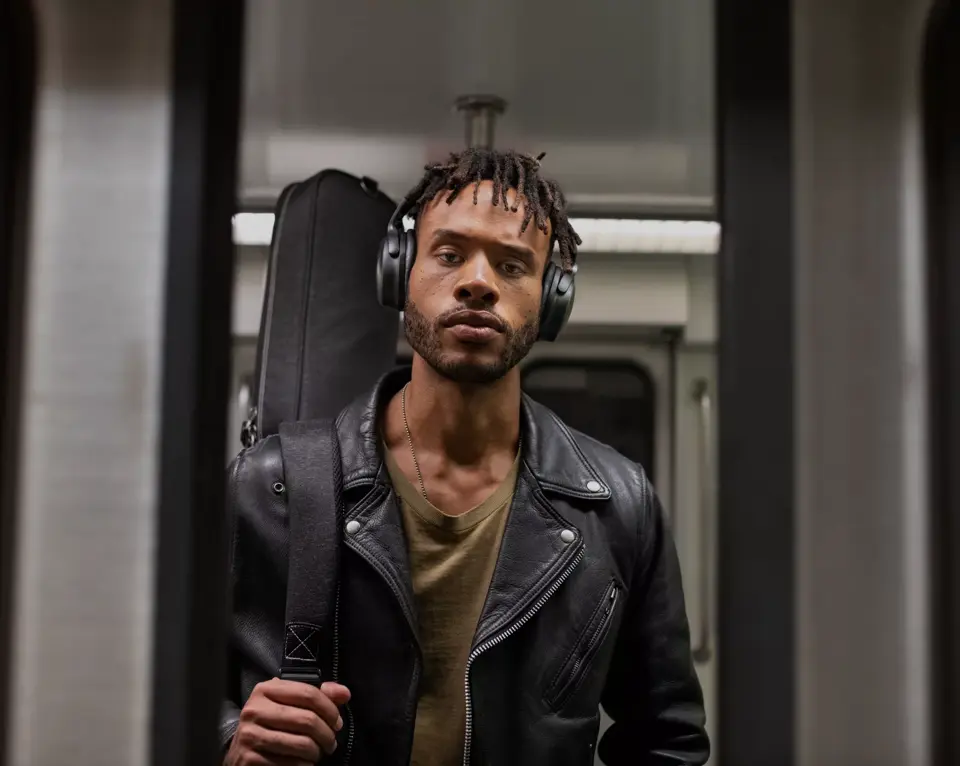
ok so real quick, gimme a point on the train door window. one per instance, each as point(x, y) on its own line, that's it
point(612, 401)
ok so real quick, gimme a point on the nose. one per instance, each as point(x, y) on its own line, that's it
point(476, 286)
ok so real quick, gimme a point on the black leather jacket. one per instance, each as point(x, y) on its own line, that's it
point(585, 607)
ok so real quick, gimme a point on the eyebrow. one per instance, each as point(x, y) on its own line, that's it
point(523, 252)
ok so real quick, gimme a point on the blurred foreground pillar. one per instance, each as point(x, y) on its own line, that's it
point(117, 630)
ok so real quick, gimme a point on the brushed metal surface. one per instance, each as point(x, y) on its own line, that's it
point(862, 558)
point(85, 561)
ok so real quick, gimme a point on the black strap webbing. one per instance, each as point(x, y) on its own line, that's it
point(314, 477)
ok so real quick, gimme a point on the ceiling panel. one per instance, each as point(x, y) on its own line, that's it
point(620, 95)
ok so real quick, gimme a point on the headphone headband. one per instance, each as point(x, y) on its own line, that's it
point(396, 220)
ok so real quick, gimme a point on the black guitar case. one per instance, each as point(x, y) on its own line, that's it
point(324, 337)
point(324, 340)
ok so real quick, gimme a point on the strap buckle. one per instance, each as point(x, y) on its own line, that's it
point(302, 675)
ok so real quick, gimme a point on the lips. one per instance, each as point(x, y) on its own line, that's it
point(474, 327)
point(477, 319)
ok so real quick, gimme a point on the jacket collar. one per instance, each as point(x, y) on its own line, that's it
point(549, 449)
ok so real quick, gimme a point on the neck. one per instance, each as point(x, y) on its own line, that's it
point(466, 423)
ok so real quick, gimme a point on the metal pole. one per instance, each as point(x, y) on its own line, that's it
point(481, 113)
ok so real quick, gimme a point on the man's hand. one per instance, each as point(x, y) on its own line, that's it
point(286, 723)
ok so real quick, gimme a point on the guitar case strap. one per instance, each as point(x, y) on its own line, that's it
point(314, 480)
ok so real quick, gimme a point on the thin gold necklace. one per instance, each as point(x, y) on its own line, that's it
point(413, 452)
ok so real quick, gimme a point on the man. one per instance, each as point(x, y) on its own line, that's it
point(502, 575)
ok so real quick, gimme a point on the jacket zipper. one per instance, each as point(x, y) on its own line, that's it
point(500, 637)
point(595, 636)
point(336, 677)
point(601, 628)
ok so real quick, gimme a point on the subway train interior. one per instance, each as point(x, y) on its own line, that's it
point(767, 320)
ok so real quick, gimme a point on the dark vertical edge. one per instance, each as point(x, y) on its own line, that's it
point(18, 82)
point(756, 623)
point(673, 339)
point(941, 124)
point(190, 611)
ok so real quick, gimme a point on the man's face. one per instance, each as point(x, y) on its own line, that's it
point(473, 305)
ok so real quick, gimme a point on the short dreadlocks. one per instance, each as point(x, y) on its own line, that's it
point(543, 200)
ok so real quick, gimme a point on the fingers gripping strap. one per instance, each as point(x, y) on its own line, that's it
point(314, 477)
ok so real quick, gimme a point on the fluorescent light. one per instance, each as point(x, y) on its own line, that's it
point(633, 235)
point(599, 235)
point(252, 228)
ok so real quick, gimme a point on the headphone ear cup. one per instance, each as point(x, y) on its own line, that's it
point(408, 250)
point(548, 288)
point(556, 301)
point(389, 271)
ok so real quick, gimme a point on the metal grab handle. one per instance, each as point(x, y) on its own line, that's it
point(702, 650)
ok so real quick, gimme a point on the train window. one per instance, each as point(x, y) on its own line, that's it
point(612, 401)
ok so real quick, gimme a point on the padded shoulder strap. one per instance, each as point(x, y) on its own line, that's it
point(314, 478)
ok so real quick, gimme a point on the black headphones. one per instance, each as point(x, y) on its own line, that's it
point(399, 248)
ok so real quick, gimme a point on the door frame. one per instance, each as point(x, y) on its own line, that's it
point(755, 407)
point(18, 83)
point(941, 116)
point(190, 608)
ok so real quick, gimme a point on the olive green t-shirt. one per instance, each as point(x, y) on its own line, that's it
point(452, 559)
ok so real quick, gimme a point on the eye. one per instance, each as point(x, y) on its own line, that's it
point(514, 269)
point(450, 257)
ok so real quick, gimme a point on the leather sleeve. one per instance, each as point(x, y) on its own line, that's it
point(258, 576)
point(652, 693)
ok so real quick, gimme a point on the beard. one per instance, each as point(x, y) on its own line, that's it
point(423, 335)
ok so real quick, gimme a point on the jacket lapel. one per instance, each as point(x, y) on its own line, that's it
point(539, 544)
point(373, 527)
point(374, 530)
point(537, 547)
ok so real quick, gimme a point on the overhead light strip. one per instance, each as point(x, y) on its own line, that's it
point(626, 235)
point(599, 235)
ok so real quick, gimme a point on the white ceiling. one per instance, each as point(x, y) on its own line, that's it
point(619, 94)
